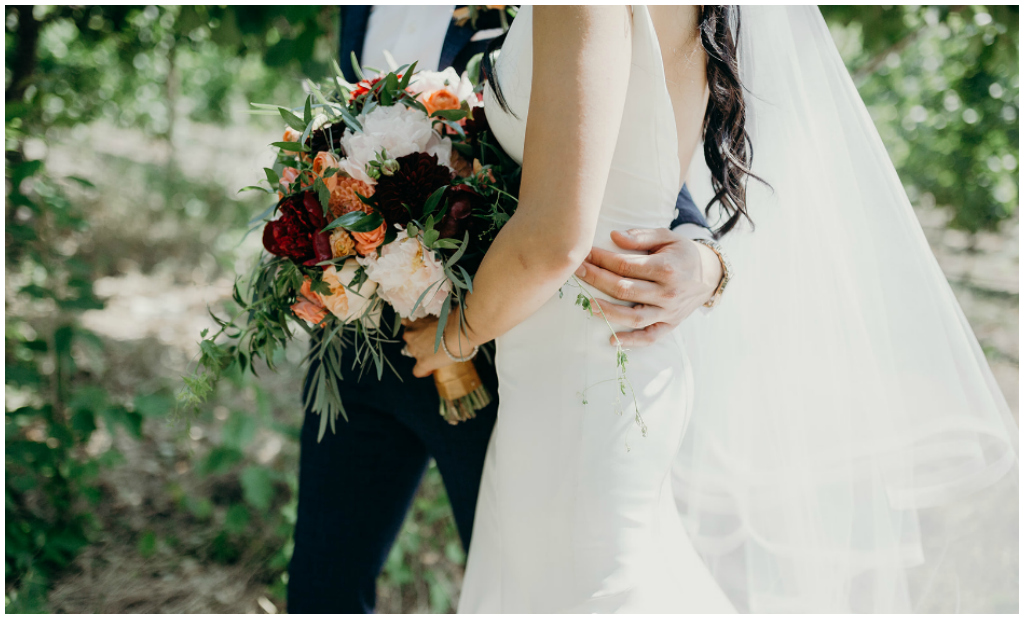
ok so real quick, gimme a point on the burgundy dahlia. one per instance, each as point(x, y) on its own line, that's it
point(326, 138)
point(476, 125)
point(296, 234)
point(460, 207)
point(418, 176)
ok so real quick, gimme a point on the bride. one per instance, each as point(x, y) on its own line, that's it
point(781, 448)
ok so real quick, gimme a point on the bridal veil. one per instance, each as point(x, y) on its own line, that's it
point(842, 399)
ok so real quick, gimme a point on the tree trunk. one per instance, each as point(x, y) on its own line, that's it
point(23, 65)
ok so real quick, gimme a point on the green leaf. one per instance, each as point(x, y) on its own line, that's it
point(433, 200)
point(462, 250)
point(450, 114)
point(307, 114)
point(272, 177)
point(408, 76)
point(257, 487)
point(356, 221)
point(81, 181)
point(466, 278)
point(292, 147)
point(255, 188)
point(292, 120)
point(323, 194)
point(442, 320)
point(356, 68)
point(337, 70)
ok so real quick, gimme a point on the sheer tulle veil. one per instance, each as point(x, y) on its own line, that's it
point(841, 396)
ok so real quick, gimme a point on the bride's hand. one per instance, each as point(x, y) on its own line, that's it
point(665, 286)
point(419, 336)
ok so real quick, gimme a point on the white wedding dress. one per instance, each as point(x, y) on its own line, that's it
point(576, 511)
point(815, 455)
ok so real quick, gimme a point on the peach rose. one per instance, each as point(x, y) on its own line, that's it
point(309, 307)
point(342, 244)
point(323, 161)
point(441, 99)
point(344, 199)
point(349, 304)
point(291, 135)
point(368, 242)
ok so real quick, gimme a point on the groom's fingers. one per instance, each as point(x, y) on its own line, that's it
point(645, 239)
point(645, 267)
point(636, 317)
point(622, 288)
point(643, 337)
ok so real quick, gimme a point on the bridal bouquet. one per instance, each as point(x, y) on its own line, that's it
point(389, 192)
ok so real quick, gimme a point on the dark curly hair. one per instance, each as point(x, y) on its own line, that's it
point(727, 148)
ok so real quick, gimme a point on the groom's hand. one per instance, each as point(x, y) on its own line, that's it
point(666, 285)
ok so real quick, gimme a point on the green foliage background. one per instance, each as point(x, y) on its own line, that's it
point(941, 83)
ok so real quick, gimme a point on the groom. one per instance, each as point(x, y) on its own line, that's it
point(356, 485)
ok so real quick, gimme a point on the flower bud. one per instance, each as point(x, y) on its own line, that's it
point(389, 167)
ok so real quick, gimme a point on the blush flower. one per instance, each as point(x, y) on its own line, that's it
point(426, 83)
point(396, 129)
point(344, 303)
point(404, 271)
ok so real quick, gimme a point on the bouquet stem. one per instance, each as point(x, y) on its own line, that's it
point(461, 391)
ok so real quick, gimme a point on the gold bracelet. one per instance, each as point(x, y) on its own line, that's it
point(726, 270)
point(444, 347)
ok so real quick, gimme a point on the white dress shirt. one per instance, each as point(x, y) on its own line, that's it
point(409, 33)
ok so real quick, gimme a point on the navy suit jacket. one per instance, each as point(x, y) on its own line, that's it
point(456, 52)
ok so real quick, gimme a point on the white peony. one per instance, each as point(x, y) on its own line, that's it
point(403, 271)
point(349, 304)
point(426, 82)
point(398, 130)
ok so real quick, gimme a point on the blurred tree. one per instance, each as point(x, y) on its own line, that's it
point(136, 67)
point(942, 86)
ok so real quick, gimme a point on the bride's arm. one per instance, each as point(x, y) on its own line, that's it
point(581, 57)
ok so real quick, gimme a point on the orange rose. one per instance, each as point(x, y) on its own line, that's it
point(367, 242)
point(323, 161)
point(442, 99)
point(309, 307)
point(342, 243)
point(291, 135)
point(344, 199)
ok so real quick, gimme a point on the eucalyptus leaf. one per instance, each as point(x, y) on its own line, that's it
point(356, 68)
point(293, 147)
point(442, 320)
point(293, 121)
